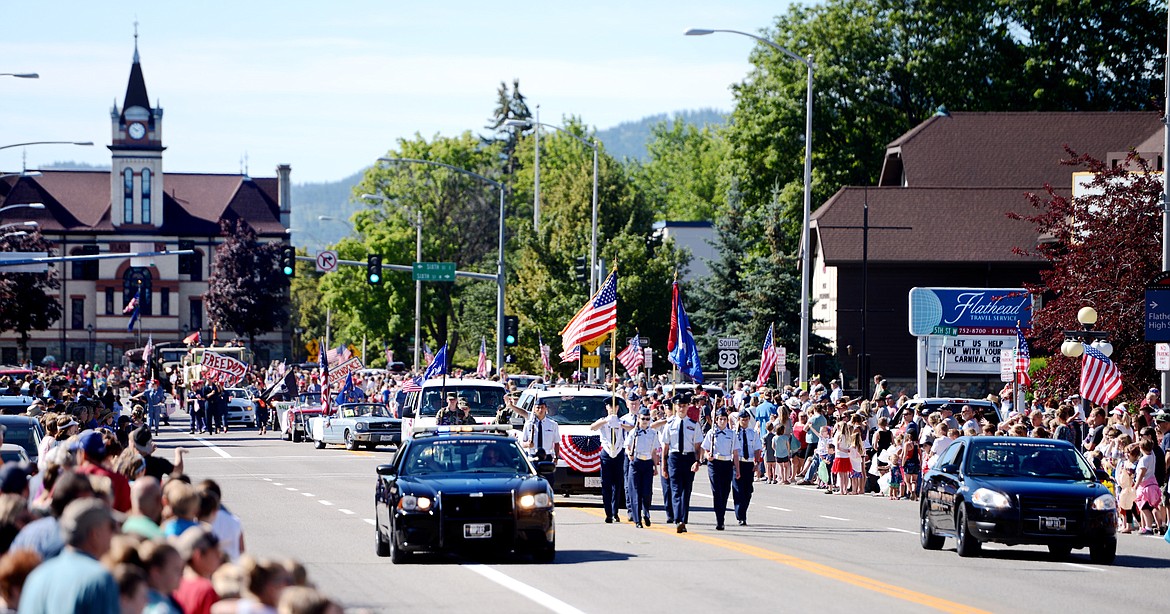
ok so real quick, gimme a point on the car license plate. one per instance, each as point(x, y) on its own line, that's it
point(593, 482)
point(1053, 523)
point(477, 531)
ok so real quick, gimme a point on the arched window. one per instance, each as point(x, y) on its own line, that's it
point(133, 279)
point(146, 196)
point(128, 196)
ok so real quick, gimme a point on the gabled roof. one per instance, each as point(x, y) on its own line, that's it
point(193, 205)
point(947, 225)
point(998, 149)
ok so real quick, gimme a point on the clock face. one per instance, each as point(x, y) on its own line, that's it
point(137, 130)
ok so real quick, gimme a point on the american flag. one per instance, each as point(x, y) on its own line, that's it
point(767, 358)
point(1100, 379)
point(339, 355)
point(572, 355)
point(544, 353)
point(581, 452)
point(632, 357)
point(132, 309)
point(413, 384)
point(481, 368)
point(324, 364)
point(596, 319)
point(1023, 358)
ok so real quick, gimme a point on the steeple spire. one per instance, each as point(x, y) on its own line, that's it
point(136, 87)
point(136, 41)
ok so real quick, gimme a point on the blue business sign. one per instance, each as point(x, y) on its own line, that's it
point(969, 311)
point(1157, 315)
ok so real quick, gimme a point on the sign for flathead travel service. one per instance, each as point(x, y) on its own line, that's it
point(967, 353)
point(223, 369)
point(954, 312)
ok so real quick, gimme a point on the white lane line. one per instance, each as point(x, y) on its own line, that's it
point(308, 494)
point(290, 488)
point(836, 518)
point(536, 595)
point(211, 446)
point(345, 511)
point(700, 494)
point(778, 509)
point(266, 479)
point(324, 502)
point(369, 521)
point(901, 530)
point(1087, 567)
point(277, 484)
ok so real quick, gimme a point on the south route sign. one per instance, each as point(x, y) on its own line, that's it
point(1157, 308)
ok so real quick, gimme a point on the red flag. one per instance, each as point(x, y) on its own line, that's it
point(672, 339)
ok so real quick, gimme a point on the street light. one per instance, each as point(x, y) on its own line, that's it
point(417, 283)
point(1074, 340)
point(805, 275)
point(21, 75)
point(15, 224)
point(80, 143)
point(22, 206)
point(500, 255)
point(330, 218)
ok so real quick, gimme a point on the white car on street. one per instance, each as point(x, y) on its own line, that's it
point(241, 408)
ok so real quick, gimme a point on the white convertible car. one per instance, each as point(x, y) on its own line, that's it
point(355, 425)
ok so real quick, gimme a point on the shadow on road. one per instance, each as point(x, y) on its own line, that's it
point(1133, 561)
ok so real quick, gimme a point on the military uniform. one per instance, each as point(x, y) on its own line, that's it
point(681, 437)
point(613, 461)
point(747, 448)
point(641, 450)
point(719, 453)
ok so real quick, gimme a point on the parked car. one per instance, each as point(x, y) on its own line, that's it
point(241, 407)
point(356, 424)
point(984, 409)
point(24, 431)
point(1017, 490)
point(13, 452)
point(463, 488)
point(13, 405)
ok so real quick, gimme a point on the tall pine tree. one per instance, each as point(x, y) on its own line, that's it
point(721, 307)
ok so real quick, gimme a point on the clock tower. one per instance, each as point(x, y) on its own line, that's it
point(136, 174)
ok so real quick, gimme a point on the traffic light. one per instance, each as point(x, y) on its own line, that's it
point(582, 268)
point(511, 330)
point(288, 260)
point(374, 269)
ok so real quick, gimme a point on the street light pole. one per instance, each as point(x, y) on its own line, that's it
point(500, 280)
point(805, 234)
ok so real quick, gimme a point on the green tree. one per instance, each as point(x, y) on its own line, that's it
point(510, 104)
point(20, 290)
point(246, 293)
point(682, 177)
point(720, 307)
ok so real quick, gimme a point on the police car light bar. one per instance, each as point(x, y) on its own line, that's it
point(424, 431)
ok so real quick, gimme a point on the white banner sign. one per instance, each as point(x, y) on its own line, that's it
point(967, 354)
point(223, 369)
point(337, 374)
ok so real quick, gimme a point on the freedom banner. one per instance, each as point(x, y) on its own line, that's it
point(222, 369)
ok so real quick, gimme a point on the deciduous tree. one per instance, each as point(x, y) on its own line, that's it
point(246, 293)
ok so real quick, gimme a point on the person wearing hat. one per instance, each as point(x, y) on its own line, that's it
point(719, 456)
point(747, 450)
point(613, 459)
point(153, 398)
point(629, 423)
point(682, 439)
point(541, 436)
point(92, 446)
point(451, 414)
point(465, 416)
point(643, 453)
point(75, 580)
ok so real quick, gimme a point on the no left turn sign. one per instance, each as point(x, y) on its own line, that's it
point(326, 261)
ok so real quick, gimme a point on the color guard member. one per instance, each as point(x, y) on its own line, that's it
point(718, 455)
point(747, 451)
point(683, 438)
point(642, 448)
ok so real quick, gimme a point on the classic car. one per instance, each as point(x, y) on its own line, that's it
point(1017, 490)
point(294, 419)
point(466, 489)
point(354, 425)
point(241, 407)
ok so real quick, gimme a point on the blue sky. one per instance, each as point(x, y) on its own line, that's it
point(328, 87)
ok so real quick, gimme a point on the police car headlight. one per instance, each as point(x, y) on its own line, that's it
point(985, 497)
point(361, 426)
point(1105, 503)
point(534, 501)
point(411, 503)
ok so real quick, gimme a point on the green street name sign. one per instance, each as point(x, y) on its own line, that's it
point(433, 271)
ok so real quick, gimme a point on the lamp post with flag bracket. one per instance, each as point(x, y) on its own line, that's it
point(1073, 339)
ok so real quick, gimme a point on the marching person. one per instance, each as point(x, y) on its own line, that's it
point(642, 451)
point(630, 422)
point(451, 414)
point(541, 436)
point(613, 460)
point(719, 455)
point(747, 453)
point(153, 397)
point(658, 423)
point(683, 439)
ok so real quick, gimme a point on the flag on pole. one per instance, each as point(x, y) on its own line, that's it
point(324, 364)
point(632, 357)
point(192, 339)
point(349, 393)
point(339, 355)
point(685, 353)
point(672, 338)
point(481, 368)
point(1023, 358)
point(132, 309)
point(767, 358)
point(438, 365)
point(572, 355)
point(595, 320)
point(544, 353)
point(1100, 378)
point(413, 384)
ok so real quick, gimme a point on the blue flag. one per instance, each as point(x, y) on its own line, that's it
point(685, 354)
point(349, 393)
point(438, 366)
point(132, 308)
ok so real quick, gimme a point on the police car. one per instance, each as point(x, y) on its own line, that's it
point(574, 409)
point(463, 488)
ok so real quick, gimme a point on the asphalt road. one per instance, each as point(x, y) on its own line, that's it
point(802, 550)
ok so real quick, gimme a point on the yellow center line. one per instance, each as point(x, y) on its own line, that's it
point(832, 573)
